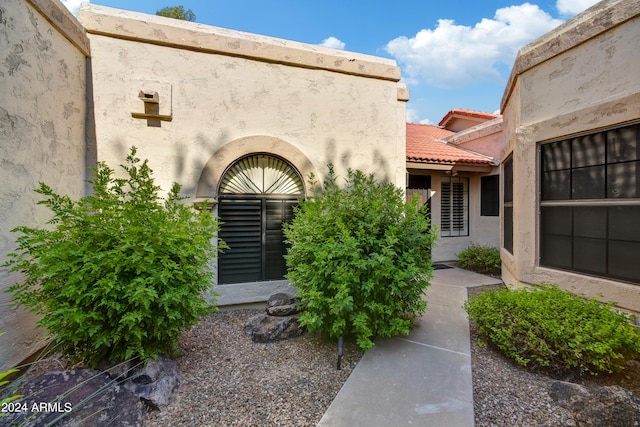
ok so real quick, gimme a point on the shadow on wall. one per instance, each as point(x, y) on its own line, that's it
point(347, 159)
point(190, 174)
point(182, 172)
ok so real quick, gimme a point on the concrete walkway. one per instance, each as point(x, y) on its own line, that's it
point(423, 379)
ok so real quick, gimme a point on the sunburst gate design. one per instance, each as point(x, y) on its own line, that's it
point(261, 174)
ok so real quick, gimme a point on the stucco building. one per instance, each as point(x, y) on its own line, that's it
point(242, 120)
point(454, 169)
point(237, 119)
point(571, 163)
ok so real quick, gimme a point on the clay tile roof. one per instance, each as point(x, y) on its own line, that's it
point(467, 113)
point(424, 145)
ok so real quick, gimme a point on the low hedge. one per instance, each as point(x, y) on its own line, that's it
point(550, 328)
point(481, 259)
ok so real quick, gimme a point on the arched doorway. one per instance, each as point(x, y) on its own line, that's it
point(257, 194)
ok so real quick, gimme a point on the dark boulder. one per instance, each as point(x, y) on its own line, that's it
point(282, 310)
point(600, 407)
point(264, 328)
point(79, 397)
point(282, 304)
point(154, 382)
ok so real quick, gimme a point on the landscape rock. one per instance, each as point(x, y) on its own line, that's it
point(264, 328)
point(282, 310)
point(282, 298)
point(282, 304)
point(118, 371)
point(600, 407)
point(155, 382)
point(568, 395)
point(78, 397)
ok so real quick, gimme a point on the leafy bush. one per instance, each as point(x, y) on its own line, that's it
point(556, 329)
point(360, 259)
point(481, 259)
point(122, 272)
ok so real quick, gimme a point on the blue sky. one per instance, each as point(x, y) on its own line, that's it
point(452, 56)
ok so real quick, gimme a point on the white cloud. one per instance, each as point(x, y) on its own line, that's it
point(73, 5)
point(454, 55)
point(412, 116)
point(333, 43)
point(573, 7)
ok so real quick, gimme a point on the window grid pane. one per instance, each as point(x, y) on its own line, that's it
point(508, 180)
point(508, 228)
point(599, 239)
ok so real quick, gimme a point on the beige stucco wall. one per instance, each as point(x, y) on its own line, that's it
point(486, 138)
point(582, 77)
point(230, 93)
point(42, 135)
point(222, 86)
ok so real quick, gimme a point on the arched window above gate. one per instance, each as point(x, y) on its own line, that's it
point(257, 194)
point(261, 174)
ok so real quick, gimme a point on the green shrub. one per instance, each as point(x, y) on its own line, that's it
point(121, 272)
point(555, 329)
point(360, 259)
point(481, 259)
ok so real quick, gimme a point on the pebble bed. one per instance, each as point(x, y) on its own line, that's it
point(228, 380)
point(505, 394)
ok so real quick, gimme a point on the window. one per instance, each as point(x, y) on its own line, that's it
point(590, 204)
point(490, 195)
point(419, 181)
point(257, 195)
point(420, 185)
point(507, 208)
point(454, 212)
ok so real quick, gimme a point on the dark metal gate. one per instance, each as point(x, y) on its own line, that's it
point(257, 196)
point(253, 230)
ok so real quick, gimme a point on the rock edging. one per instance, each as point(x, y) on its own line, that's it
point(279, 322)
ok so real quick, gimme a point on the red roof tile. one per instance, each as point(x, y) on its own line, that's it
point(467, 113)
point(423, 145)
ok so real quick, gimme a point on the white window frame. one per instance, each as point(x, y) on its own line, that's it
point(454, 206)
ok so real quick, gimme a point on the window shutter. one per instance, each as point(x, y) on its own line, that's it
point(458, 206)
point(257, 195)
point(242, 231)
point(445, 210)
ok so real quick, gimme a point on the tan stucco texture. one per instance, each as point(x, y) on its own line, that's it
point(221, 86)
point(42, 137)
point(580, 78)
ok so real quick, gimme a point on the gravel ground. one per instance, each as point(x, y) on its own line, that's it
point(228, 380)
point(507, 394)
